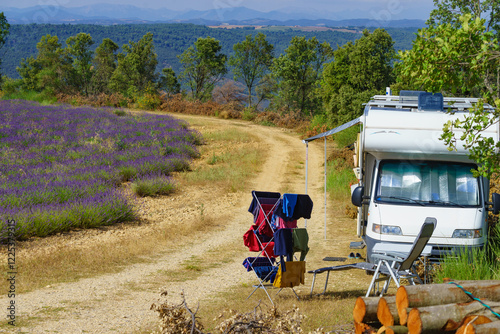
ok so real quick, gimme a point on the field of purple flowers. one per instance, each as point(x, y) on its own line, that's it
point(62, 167)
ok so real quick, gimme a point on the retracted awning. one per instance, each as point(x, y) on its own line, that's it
point(334, 130)
point(324, 135)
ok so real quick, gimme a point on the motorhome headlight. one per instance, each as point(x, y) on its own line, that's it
point(467, 234)
point(387, 229)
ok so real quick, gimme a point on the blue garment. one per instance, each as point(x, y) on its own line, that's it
point(289, 201)
point(303, 209)
point(265, 273)
point(283, 245)
point(253, 262)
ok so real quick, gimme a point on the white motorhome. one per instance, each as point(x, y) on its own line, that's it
point(406, 173)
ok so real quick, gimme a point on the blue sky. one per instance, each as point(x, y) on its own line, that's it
point(377, 9)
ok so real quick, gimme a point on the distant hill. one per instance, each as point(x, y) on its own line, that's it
point(108, 14)
point(171, 40)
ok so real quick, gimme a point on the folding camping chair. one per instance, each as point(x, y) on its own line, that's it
point(398, 265)
point(267, 209)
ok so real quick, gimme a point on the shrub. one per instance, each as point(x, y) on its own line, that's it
point(152, 185)
point(248, 114)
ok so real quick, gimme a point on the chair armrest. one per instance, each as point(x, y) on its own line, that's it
point(396, 256)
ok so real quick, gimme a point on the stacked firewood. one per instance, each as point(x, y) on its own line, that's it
point(432, 308)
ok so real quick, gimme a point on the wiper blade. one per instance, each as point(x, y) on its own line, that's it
point(446, 203)
point(402, 199)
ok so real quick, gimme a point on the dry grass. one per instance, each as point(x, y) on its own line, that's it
point(195, 266)
point(229, 159)
point(67, 264)
point(325, 312)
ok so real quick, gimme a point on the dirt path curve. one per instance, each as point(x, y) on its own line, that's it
point(121, 302)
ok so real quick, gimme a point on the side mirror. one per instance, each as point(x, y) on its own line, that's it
point(357, 196)
point(495, 198)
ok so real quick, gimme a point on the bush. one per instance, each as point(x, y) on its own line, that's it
point(249, 114)
point(99, 100)
point(152, 185)
point(286, 119)
point(11, 86)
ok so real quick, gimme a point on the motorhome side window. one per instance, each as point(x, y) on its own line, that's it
point(427, 183)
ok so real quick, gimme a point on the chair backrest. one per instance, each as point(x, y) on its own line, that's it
point(419, 243)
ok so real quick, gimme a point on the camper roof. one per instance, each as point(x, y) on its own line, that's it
point(409, 101)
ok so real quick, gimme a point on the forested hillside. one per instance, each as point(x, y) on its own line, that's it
point(171, 40)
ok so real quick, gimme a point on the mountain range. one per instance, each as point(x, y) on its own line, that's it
point(109, 14)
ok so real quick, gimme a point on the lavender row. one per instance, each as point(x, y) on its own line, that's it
point(54, 158)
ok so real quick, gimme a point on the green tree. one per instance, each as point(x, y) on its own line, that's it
point(78, 48)
point(203, 66)
point(28, 69)
point(104, 62)
point(450, 11)
point(51, 71)
point(4, 32)
point(298, 71)
point(136, 66)
point(168, 82)
point(56, 69)
point(459, 54)
point(251, 60)
point(454, 60)
point(359, 70)
point(482, 148)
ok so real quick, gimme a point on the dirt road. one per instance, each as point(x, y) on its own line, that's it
point(120, 302)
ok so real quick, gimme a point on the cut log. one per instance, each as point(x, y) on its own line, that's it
point(468, 323)
point(436, 318)
point(397, 330)
point(485, 328)
point(438, 294)
point(393, 330)
point(362, 328)
point(455, 326)
point(365, 309)
point(387, 312)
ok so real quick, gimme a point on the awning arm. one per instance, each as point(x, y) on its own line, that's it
point(333, 131)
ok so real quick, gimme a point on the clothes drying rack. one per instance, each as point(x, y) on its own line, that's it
point(274, 234)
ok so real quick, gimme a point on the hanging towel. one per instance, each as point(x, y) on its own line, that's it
point(303, 209)
point(250, 240)
point(300, 242)
point(264, 273)
point(262, 197)
point(289, 202)
point(283, 245)
point(253, 262)
point(263, 220)
point(284, 224)
point(293, 276)
point(268, 249)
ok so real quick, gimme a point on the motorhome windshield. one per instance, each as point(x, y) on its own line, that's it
point(427, 183)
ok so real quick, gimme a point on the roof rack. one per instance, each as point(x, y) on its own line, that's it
point(410, 101)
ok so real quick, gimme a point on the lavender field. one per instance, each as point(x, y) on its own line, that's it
point(63, 167)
